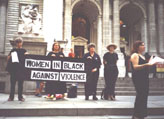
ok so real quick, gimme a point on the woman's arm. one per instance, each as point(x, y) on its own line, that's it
point(8, 57)
point(135, 62)
point(26, 53)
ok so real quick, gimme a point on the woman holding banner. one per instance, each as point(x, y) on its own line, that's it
point(93, 63)
point(14, 67)
point(54, 88)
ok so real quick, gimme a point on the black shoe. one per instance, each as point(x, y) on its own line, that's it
point(38, 95)
point(95, 98)
point(10, 99)
point(86, 97)
point(106, 97)
point(134, 117)
point(22, 99)
point(112, 98)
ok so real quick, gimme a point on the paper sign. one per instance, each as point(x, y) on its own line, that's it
point(14, 57)
point(156, 60)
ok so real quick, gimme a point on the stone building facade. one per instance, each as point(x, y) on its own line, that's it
point(99, 21)
point(75, 23)
point(141, 20)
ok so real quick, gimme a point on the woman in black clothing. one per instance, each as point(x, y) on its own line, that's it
point(93, 63)
point(15, 69)
point(110, 71)
point(140, 79)
point(55, 87)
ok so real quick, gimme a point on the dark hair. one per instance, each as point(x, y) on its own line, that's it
point(18, 40)
point(136, 46)
point(91, 45)
point(54, 44)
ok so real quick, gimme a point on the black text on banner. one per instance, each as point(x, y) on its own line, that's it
point(37, 67)
point(44, 75)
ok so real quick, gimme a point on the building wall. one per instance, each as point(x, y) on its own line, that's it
point(3, 11)
point(146, 7)
point(102, 31)
point(13, 17)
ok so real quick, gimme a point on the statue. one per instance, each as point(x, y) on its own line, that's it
point(30, 21)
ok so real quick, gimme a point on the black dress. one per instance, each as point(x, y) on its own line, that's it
point(141, 83)
point(92, 77)
point(110, 73)
point(16, 74)
point(55, 87)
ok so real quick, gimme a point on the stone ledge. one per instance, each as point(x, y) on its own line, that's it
point(34, 106)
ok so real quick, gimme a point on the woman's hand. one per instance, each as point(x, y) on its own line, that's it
point(61, 56)
point(94, 70)
point(26, 53)
point(53, 55)
point(89, 57)
point(8, 57)
point(104, 62)
point(150, 64)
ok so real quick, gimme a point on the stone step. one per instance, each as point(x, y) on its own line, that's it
point(74, 111)
point(121, 85)
point(153, 83)
point(129, 80)
point(118, 90)
point(127, 93)
point(81, 117)
point(34, 106)
point(124, 88)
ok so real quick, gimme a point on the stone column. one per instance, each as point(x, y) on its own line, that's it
point(145, 35)
point(152, 27)
point(116, 38)
point(116, 24)
point(12, 23)
point(93, 33)
point(110, 23)
point(99, 42)
point(3, 14)
point(106, 37)
point(53, 21)
point(99, 35)
point(67, 23)
point(161, 26)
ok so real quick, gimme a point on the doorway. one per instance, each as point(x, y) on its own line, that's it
point(131, 25)
point(79, 51)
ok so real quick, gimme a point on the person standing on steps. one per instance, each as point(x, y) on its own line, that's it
point(110, 72)
point(93, 64)
point(55, 89)
point(14, 67)
point(140, 71)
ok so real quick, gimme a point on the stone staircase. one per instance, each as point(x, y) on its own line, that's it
point(122, 108)
point(79, 108)
point(123, 86)
point(126, 87)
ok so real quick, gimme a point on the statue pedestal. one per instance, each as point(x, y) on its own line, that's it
point(33, 44)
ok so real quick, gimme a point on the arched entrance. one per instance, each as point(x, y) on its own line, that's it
point(80, 26)
point(84, 21)
point(131, 26)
